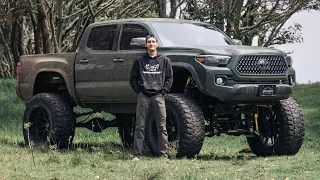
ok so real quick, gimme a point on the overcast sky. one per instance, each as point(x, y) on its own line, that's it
point(306, 55)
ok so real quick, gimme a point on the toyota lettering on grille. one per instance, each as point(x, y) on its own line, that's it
point(263, 64)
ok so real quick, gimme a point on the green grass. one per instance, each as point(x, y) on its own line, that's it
point(101, 155)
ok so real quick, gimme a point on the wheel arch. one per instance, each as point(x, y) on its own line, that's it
point(49, 82)
point(181, 74)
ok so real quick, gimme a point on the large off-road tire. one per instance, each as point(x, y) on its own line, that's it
point(185, 127)
point(282, 131)
point(125, 124)
point(51, 121)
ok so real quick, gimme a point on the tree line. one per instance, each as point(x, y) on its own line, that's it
point(54, 26)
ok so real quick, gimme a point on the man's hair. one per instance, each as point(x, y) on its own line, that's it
point(150, 36)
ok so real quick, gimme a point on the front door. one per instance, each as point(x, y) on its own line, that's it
point(128, 51)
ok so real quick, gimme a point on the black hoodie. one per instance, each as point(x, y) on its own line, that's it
point(151, 75)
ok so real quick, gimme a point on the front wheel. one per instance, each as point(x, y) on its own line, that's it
point(281, 130)
point(185, 127)
point(48, 119)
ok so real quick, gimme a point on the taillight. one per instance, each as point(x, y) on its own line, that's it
point(18, 69)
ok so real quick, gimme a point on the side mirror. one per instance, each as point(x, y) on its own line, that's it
point(237, 41)
point(138, 43)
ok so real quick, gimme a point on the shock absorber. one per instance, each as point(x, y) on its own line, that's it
point(256, 123)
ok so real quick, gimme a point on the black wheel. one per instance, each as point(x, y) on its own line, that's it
point(185, 127)
point(281, 130)
point(126, 129)
point(48, 119)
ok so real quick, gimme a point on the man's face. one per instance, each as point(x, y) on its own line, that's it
point(151, 44)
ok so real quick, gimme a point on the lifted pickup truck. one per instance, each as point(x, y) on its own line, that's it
point(219, 87)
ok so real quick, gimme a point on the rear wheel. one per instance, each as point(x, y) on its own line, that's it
point(185, 127)
point(48, 119)
point(126, 129)
point(281, 130)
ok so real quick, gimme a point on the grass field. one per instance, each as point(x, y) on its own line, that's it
point(101, 156)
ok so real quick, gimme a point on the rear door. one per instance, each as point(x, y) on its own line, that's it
point(94, 66)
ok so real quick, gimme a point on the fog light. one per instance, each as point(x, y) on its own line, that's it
point(219, 81)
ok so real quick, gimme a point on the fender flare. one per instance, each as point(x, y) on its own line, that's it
point(67, 79)
point(191, 70)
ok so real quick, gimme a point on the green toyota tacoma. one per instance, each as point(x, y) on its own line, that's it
point(219, 87)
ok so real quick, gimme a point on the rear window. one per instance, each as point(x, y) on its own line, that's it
point(101, 38)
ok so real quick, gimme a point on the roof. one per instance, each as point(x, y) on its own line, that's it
point(147, 20)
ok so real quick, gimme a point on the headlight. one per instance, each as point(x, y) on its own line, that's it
point(289, 60)
point(213, 60)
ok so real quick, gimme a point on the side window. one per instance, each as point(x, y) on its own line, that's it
point(101, 38)
point(133, 37)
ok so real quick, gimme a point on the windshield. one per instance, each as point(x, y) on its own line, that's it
point(182, 34)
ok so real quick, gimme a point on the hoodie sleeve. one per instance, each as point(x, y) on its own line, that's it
point(169, 76)
point(134, 77)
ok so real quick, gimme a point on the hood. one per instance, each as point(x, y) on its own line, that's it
point(239, 50)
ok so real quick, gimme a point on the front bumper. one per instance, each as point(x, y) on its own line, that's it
point(251, 93)
point(247, 89)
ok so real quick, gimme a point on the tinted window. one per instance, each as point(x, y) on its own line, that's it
point(190, 34)
point(101, 38)
point(130, 31)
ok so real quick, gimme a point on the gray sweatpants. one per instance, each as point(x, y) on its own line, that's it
point(145, 106)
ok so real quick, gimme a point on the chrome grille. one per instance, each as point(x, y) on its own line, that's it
point(262, 65)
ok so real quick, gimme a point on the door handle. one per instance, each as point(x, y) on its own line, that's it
point(84, 61)
point(118, 60)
